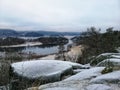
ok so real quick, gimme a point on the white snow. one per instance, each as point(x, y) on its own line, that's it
point(75, 82)
point(110, 77)
point(44, 68)
point(86, 74)
point(60, 88)
point(98, 87)
point(77, 66)
point(77, 85)
point(114, 61)
point(23, 45)
point(116, 56)
point(78, 70)
point(90, 79)
point(37, 68)
point(107, 54)
point(65, 85)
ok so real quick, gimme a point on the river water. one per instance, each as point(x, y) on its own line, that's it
point(41, 50)
point(46, 50)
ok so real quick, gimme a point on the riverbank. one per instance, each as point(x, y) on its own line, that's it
point(27, 44)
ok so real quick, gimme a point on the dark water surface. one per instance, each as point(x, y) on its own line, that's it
point(40, 49)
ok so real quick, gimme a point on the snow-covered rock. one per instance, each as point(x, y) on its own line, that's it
point(65, 85)
point(98, 87)
point(113, 77)
point(50, 70)
point(86, 74)
point(109, 54)
point(77, 66)
point(104, 56)
point(116, 56)
point(75, 82)
point(76, 85)
point(78, 71)
point(86, 80)
point(114, 61)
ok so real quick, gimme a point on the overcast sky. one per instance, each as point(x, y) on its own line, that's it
point(59, 15)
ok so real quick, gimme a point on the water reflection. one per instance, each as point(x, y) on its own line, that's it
point(38, 49)
point(25, 48)
point(12, 49)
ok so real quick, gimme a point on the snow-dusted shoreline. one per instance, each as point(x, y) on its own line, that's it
point(23, 45)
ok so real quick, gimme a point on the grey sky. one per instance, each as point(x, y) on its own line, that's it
point(59, 15)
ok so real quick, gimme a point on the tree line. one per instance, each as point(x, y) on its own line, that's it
point(97, 42)
point(11, 41)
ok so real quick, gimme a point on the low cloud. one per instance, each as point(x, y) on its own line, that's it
point(59, 14)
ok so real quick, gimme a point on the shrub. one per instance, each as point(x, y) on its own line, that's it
point(107, 70)
point(4, 73)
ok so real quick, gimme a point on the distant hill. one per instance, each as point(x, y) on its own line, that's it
point(8, 33)
point(13, 33)
point(30, 34)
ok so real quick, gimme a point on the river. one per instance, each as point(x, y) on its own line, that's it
point(40, 49)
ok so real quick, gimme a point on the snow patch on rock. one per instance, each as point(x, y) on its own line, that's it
point(113, 77)
point(98, 87)
point(65, 85)
point(114, 61)
point(86, 74)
